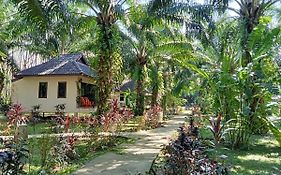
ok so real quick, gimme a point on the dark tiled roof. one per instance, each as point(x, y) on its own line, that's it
point(127, 86)
point(69, 64)
point(130, 85)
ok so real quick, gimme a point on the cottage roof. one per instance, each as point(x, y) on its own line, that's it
point(68, 64)
point(129, 85)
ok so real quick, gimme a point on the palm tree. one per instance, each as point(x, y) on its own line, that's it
point(249, 12)
point(140, 43)
point(143, 36)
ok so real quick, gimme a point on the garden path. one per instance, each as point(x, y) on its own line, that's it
point(136, 157)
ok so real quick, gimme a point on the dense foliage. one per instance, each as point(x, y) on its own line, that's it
point(187, 155)
point(221, 57)
point(13, 159)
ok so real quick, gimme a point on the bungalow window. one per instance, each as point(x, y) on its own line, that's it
point(122, 97)
point(62, 90)
point(43, 88)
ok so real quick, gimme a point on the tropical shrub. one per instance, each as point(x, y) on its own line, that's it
point(217, 128)
point(17, 121)
point(242, 92)
point(238, 134)
point(60, 110)
point(35, 111)
point(152, 117)
point(115, 115)
point(15, 115)
point(62, 153)
point(13, 159)
point(4, 106)
point(186, 155)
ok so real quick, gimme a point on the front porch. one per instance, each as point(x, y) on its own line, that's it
point(86, 98)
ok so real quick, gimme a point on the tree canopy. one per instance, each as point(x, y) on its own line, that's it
point(173, 50)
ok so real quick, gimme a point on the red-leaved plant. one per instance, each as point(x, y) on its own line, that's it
point(115, 115)
point(152, 116)
point(111, 117)
point(71, 141)
point(216, 126)
point(67, 123)
point(15, 115)
point(196, 111)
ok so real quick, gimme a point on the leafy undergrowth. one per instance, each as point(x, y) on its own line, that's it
point(262, 157)
point(85, 149)
point(52, 128)
point(187, 155)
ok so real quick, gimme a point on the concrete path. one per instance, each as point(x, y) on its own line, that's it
point(77, 134)
point(137, 157)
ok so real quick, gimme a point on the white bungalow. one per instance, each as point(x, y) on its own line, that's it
point(66, 80)
point(124, 92)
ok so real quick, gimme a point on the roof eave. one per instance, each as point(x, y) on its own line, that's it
point(21, 76)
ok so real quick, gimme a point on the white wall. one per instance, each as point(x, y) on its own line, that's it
point(25, 92)
point(116, 95)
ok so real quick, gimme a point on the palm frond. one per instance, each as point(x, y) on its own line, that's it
point(194, 68)
point(35, 10)
point(275, 131)
point(3, 49)
point(174, 46)
point(155, 5)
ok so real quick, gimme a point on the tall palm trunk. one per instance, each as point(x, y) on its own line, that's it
point(155, 91)
point(107, 47)
point(141, 63)
point(155, 86)
point(2, 78)
point(250, 13)
point(140, 94)
point(164, 98)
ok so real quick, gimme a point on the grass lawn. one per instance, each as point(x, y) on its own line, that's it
point(50, 127)
point(86, 150)
point(263, 157)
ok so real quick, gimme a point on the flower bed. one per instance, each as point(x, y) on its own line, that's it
point(186, 155)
